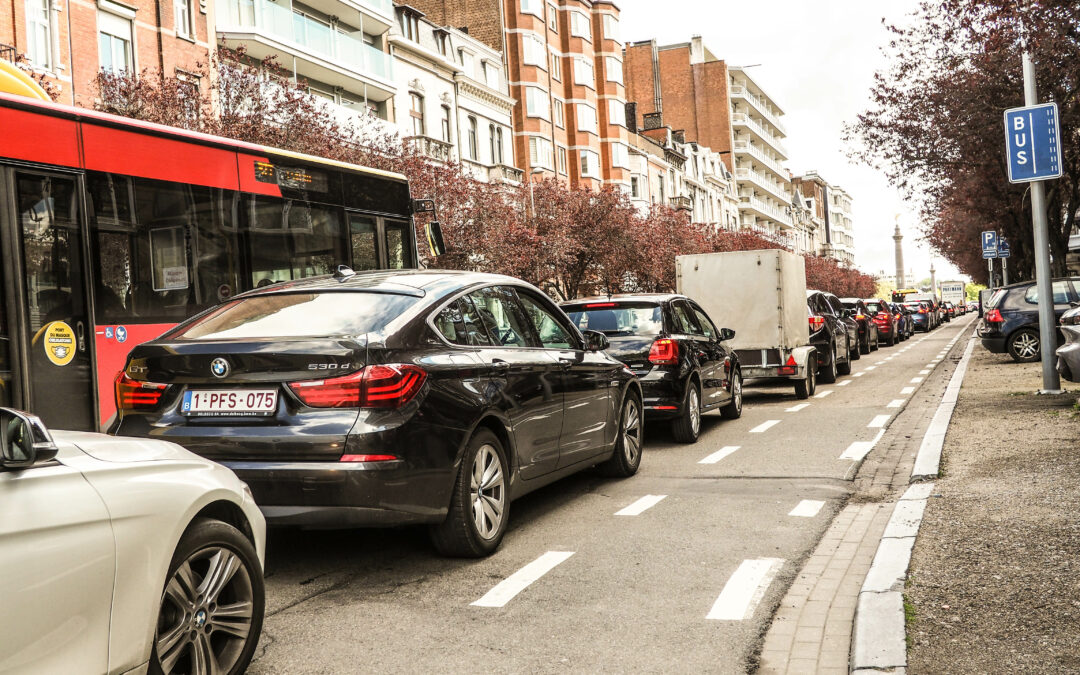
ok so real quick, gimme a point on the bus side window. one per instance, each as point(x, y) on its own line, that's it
point(362, 231)
point(398, 253)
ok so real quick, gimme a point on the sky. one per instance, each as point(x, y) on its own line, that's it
point(817, 62)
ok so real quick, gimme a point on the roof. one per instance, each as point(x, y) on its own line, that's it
point(402, 282)
point(630, 297)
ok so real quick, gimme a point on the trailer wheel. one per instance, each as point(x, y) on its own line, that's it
point(805, 388)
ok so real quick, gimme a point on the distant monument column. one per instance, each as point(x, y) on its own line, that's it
point(933, 278)
point(899, 254)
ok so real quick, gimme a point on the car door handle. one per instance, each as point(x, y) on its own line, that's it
point(499, 364)
point(567, 361)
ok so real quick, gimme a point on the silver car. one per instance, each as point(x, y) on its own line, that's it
point(1068, 354)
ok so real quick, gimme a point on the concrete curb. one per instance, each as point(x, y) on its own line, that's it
point(928, 461)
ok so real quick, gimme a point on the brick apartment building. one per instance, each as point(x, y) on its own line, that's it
point(564, 66)
point(71, 40)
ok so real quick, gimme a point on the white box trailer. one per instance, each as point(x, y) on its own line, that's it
point(761, 295)
point(953, 291)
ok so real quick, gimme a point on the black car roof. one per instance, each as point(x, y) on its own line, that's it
point(631, 297)
point(403, 282)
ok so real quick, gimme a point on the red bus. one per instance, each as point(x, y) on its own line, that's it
point(114, 230)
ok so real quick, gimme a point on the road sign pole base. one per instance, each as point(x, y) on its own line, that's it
point(1050, 392)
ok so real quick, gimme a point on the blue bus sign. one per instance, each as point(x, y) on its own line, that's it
point(1003, 248)
point(1032, 141)
point(990, 244)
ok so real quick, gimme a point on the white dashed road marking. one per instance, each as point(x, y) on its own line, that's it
point(859, 374)
point(860, 449)
point(924, 372)
point(878, 421)
point(844, 383)
point(907, 390)
point(823, 394)
point(895, 403)
point(797, 408)
point(807, 508)
point(764, 426)
point(880, 362)
point(720, 454)
point(916, 380)
point(641, 505)
point(506, 589)
point(745, 589)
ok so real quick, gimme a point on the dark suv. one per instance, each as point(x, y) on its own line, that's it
point(832, 334)
point(681, 358)
point(868, 334)
point(1010, 322)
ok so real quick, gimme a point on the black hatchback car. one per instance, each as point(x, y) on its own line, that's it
point(1010, 322)
point(679, 355)
point(386, 398)
point(833, 334)
point(868, 337)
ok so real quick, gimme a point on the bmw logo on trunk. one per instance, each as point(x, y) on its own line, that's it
point(219, 367)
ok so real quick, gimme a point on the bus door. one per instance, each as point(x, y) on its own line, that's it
point(48, 320)
point(380, 243)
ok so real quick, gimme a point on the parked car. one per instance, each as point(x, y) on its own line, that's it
point(122, 555)
point(887, 324)
point(947, 311)
point(1068, 354)
point(832, 335)
point(868, 335)
point(973, 306)
point(386, 398)
point(903, 316)
point(682, 360)
point(920, 315)
point(1010, 322)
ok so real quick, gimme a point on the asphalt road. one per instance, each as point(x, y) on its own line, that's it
point(688, 584)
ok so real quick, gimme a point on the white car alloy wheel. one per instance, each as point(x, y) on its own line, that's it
point(694, 410)
point(488, 491)
point(1026, 345)
point(632, 431)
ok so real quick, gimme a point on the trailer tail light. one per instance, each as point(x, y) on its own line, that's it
point(816, 322)
point(132, 395)
point(994, 316)
point(789, 367)
point(664, 352)
point(381, 386)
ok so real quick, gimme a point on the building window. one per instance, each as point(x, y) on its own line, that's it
point(620, 155)
point(114, 43)
point(540, 152)
point(586, 117)
point(579, 25)
point(590, 164)
point(491, 144)
point(182, 8)
point(635, 187)
point(613, 66)
point(410, 25)
point(583, 72)
point(534, 7)
point(533, 52)
point(441, 40)
point(556, 66)
point(563, 169)
point(474, 148)
point(499, 146)
point(446, 124)
point(467, 63)
point(536, 103)
point(416, 112)
point(560, 114)
point(660, 186)
point(611, 27)
point(616, 112)
point(39, 33)
point(491, 73)
point(553, 18)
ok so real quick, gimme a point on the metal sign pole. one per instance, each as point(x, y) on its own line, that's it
point(990, 285)
point(1005, 271)
point(1047, 330)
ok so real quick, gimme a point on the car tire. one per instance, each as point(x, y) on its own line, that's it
point(864, 345)
point(733, 410)
point(828, 374)
point(231, 612)
point(805, 388)
point(1024, 346)
point(892, 338)
point(471, 530)
point(845, 367)
point(687, 427)
point(856, 353)
point(626, 459)
point(876, 342)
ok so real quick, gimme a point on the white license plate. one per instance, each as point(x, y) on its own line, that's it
point(231, 402)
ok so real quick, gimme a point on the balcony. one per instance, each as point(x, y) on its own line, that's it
point(432, 148)
point(505, 174)
point(320, 52)
point(682, 202)
point(759, 179)
point(744, 120)
point(765, 209)
point(739, 91)
point(757, 153)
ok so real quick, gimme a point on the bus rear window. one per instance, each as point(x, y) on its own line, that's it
point(297, 315)
point(619, 319)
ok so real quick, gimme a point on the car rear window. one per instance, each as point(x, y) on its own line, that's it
point(297, 315)
point(614, 319)
point(876, 307)
point(995, 298)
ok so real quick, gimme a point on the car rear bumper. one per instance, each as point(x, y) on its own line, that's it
point(994, 344)
point(1068, 357)
point(662, 393)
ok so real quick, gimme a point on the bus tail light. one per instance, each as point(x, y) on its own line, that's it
point(994, 316)
point(132, 395)
point(664, 352)
point(381, 386)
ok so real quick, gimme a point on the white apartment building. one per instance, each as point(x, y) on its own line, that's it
point(841, 229)
point(764, 185)
point(453, 99)
point(339, 47)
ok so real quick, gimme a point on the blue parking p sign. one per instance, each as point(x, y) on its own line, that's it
point(990, 244)
point(1032, 141)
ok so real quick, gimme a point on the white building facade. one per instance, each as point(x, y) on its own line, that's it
point(841, 227)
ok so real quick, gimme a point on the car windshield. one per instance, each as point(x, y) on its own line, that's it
point(297, 315)
point(614, 319)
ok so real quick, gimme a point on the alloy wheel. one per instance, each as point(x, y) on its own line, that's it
point(1026, 345)
point(632, 432)
point(694, 408)
point(737, 393)
point(488, 491)
point(206, 614)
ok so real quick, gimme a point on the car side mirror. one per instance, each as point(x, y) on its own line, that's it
point(726, 334)
point(595, 341)
point(24, 440)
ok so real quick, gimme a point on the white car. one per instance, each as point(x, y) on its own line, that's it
point(123, 554)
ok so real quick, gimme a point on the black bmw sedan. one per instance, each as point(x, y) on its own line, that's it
point(387, 398)
point(682, 359)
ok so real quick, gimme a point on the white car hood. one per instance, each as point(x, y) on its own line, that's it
point(118, 448)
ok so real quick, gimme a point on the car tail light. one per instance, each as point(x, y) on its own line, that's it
point(897, 316)
point(816, 322)
point(922, 311)
point(664, 352)
point(994, 316)
point(381, 386)
point(593, 305)
point(135, 395)
point(860, 317)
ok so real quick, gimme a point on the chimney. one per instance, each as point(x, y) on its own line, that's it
point(697, 50)
point(678, 136)
point(653, 120)
point(631, 117)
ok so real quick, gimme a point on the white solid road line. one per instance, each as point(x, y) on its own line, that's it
point(797, 408)
point(823, 394)
point(907, 390)
point(506, 589)
point(807, 508)
point(745, 589)
point(641, 505)
point(844, 383)
point(860, 449)
point(720, 454)
point(764, 426)
point(916, 380)
point(895, 403)
point(878, 421)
